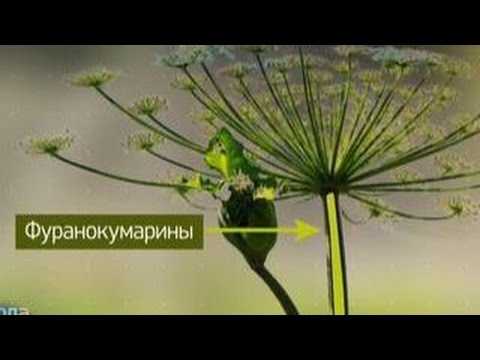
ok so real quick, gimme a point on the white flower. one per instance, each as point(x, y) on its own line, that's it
point(241, 182)
point(186, 55)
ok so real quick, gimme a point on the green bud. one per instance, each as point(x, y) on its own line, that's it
point(242, 211)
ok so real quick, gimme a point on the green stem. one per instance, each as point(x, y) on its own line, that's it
point(336, 261)
point(399, 213)
point(182, 139)
point(277, 289)
point(189, 145)
point(180, 165)
point(114, 176)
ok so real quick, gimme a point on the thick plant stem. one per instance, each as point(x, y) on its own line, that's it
point(277, 289)
point(336, 262)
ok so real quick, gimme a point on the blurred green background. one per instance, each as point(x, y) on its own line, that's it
point(403, 268)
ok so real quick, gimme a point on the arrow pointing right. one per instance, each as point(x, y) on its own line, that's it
point(303, 230)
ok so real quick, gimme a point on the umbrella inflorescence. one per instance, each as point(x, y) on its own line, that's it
point(354, 122)
point(338, 122)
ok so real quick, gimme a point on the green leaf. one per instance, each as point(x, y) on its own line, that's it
point(226, 155)
point(196, 183)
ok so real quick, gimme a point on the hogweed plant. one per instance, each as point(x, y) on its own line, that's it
point(347, 129)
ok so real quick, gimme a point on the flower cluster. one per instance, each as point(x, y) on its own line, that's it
point(377, 209)
point(239, 70)
point(393, 56)
point(404, 175)
point(184, 83)
point(144, 141)
point(187, 55)
point(95, 78)
point(150, 106)
point(350, 50)
point(461, 206)
point(282, 65)
point(48, 145)
point(258, 49)
point(241, 182)
point(345, 118)
point(451, 164)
